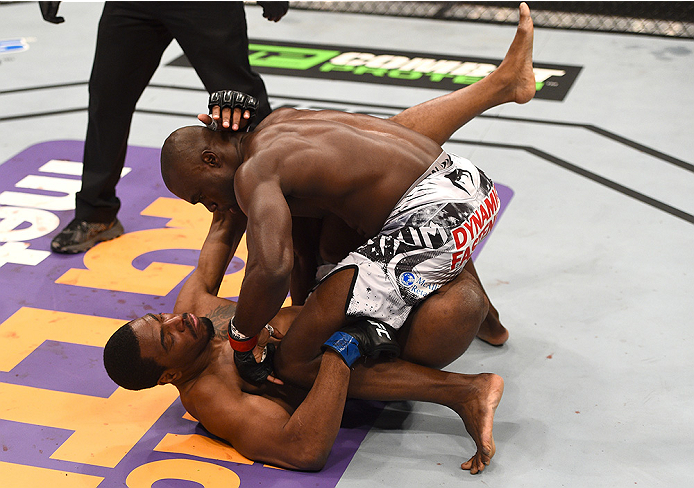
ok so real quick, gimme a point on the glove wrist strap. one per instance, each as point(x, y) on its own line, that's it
point(345, 345)
point(238, 341)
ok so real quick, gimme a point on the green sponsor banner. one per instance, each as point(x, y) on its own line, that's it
point(425, 70)
point(289, 58)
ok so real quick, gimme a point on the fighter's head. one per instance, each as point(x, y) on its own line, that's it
point(157, 349)
point(198, 165)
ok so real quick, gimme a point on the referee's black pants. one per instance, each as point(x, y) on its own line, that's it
point(131, 39)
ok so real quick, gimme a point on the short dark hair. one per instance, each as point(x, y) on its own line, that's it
point(125, 364)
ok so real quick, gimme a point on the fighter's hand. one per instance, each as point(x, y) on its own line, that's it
point(254, 358)
point(251, 370)
point(269, 335)
point(229, 110)
point(274, 11)
point(49, 11)
point(230, 121)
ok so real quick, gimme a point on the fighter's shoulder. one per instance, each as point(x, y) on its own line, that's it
point(219, 382)
point(210, 399)
point(304, 117)
point(279, 115)
point(273, 143)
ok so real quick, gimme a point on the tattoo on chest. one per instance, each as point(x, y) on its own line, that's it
point(220, 317)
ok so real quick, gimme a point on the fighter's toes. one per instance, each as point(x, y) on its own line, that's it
point(476, 463)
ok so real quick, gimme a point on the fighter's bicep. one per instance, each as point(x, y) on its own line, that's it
point(268, 232)
point(258, 183)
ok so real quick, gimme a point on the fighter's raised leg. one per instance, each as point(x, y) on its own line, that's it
point(512, 81)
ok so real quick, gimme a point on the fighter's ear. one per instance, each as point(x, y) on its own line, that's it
point(169, 376)
point(210, 158)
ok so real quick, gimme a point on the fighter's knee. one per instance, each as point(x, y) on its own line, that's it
point(471, 303)
point(479, 303)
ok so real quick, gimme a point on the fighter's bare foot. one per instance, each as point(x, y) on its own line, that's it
point(491, 331)
point(516, 70)
point(477, 411)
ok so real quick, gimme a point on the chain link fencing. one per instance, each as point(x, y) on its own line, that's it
point(668, 19)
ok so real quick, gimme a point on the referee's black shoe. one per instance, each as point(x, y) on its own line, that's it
point(80, 235)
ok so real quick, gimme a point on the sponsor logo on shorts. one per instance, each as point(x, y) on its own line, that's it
point(476, 228)
point(416, 285)
point(407, 279)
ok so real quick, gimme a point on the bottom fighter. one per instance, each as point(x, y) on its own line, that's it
point(288, 426)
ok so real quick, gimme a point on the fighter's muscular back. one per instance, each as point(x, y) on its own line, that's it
point(354, 166)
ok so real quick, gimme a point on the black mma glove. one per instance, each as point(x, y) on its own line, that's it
point(274, 10)
point(366, 337)
point(252, 371)
point(233, 99)
point(49, 11)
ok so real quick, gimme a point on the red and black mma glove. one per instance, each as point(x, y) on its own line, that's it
point(249, 369)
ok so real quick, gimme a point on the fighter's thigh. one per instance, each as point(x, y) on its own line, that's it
point(441, 328)
point(321, 316)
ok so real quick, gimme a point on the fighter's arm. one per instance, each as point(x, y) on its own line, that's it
point(199, 293)
point(262, 430)
point(270, 249)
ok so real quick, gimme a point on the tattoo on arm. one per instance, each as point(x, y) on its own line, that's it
point(220, 317)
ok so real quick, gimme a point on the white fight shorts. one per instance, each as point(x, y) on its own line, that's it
point(424, 243)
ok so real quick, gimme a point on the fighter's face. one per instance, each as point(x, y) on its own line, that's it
point(213, 198)
point(211, 186)
point(173, 340)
